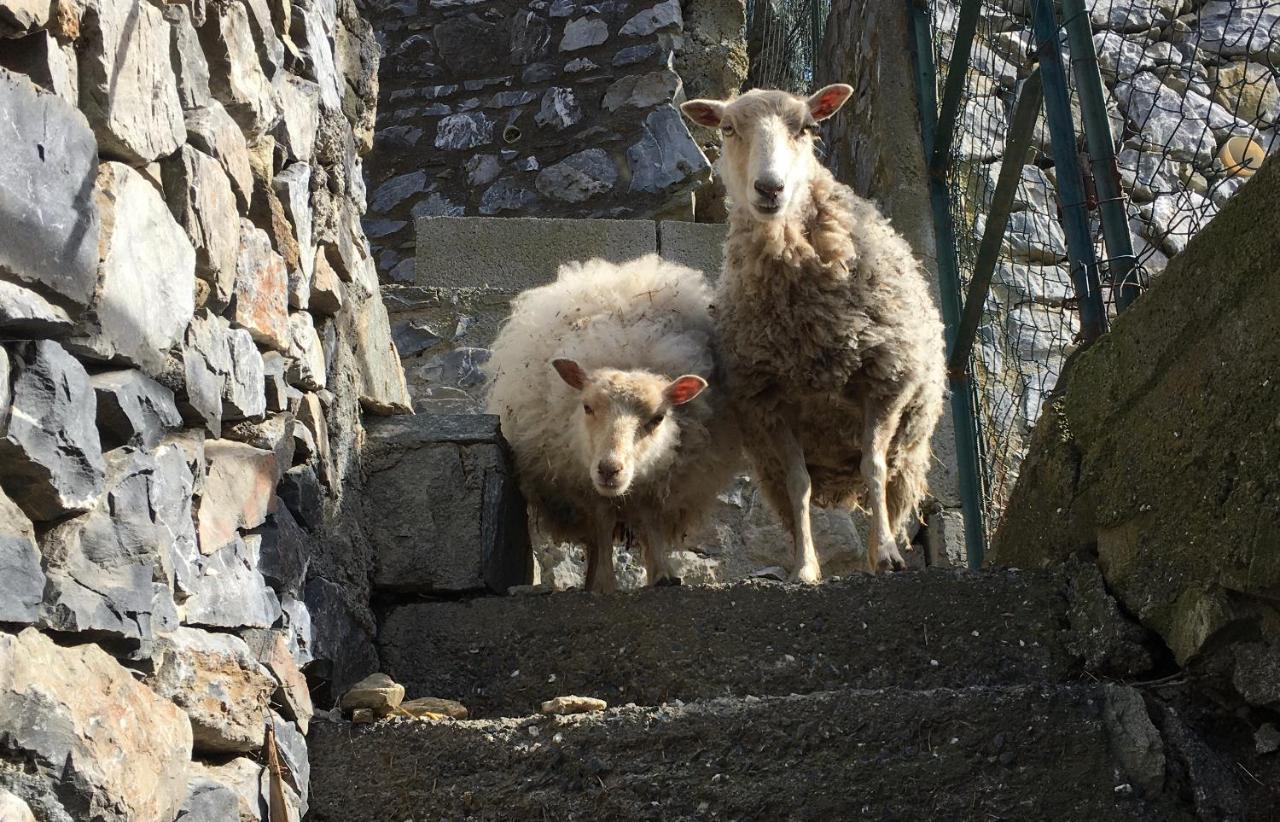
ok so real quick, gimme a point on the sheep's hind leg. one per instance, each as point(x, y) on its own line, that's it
point(881, 422)
point(656, 551)
point(804, 567)
point(600, 574)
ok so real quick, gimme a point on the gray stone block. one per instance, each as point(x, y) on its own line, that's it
point(515, 253)
point(697, 245)
point(442, 507)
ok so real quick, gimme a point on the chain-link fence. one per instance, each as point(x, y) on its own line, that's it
point(783, 41)
point(1189, 105)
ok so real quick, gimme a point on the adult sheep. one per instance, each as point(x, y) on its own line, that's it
point(600, 380)
point(832, 346)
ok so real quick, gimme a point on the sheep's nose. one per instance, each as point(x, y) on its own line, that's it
point(609, 469)
point(769, 188)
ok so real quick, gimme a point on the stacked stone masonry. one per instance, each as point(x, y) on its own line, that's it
point(544, 108)
point(190, 332)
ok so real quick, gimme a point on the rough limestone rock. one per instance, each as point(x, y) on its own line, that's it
point(50, 218)
point(342, 650)
point(111, 570)
point(1157, 419)
point(291, 746)
point(128, 88)
point(310, 413)
point(299, 115)
point(145, 292)
point(18, 17)
point(206, 361)
point(430, 705)
point(226, 590)
point(666, 156)
point(293, 187)
point(661, 16)
point(377, 692)
point(200, 196)
point(25, 313)
point(261, 302)
point(573, 705)
point(98, 744)
point(284, 551)
point(209, 800)
point(212, 130)
point(382, 384)
point(326, 287)
point(222, 688)
point(307, 367)
point(236, 75)
point(190, 68)
point(579, 176)
point(21, 579)
point(238, 491)
point(274, 434)
point(133, 409)
point(271, 648)
point(244, 392)
point(50, 454)
point(14, 809)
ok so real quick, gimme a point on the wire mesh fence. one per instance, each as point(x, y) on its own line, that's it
point(783, 41)
point(1192, 99)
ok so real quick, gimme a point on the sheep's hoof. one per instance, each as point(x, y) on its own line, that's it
point(808, 574)
point(667, 582)
point(888, 561)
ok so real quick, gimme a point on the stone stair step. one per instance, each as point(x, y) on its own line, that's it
point(1025, 752)
point(505, 656)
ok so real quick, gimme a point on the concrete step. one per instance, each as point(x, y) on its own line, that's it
point(506, 655)
point(1027, 752)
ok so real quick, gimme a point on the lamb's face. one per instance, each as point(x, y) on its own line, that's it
point(624, 422)
point(767, 157)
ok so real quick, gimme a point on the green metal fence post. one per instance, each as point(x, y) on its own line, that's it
point(966, 434)
point(953, 91)
point(1062, 136)
point(1102, 152)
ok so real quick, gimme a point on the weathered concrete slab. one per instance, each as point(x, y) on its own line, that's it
point(516, 253)
point(751, 638)
point(441, 506)
point(697, 245)
point(884, 754)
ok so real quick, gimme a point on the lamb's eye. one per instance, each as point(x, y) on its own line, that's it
point(810, 129)
point(653, 422)
point(588, 410)
point(726, 130)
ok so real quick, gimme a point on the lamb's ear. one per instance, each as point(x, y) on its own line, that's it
point(707, 113)
point(828, 100)
point(570, 372)
point(683, 389)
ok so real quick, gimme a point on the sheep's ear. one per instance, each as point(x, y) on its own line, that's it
point(707, 113)
point(828, 100)
point(570, 372)
point(683, 389)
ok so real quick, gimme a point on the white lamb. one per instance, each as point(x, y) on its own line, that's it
point(600, 380)
point(832, 347)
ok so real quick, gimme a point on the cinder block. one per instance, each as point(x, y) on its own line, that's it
point(441, 506)
point(697, 245)
point(515, 253)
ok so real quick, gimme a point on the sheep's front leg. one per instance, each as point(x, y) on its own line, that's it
point(655, 548)
point(804, 563)
point(600, 574)
point(881, 423)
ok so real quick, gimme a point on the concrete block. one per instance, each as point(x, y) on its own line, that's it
point(442, 508)
point(697, 245)
point(515, 253)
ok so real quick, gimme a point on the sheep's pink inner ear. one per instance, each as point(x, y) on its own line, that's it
point(828, 100)
point(683, 389)
point(570, 372)
point(707, 113)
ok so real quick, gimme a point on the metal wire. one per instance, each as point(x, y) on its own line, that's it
point(783, 40)
point(1193, 103)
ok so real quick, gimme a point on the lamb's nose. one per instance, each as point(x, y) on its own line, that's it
point(609, 469)
point(769, 188)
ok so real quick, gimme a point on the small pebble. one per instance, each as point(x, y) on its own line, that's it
point(1266, 740)
point(573, 705)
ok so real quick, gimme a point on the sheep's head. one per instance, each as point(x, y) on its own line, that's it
point(625, 422)
point(767, 156)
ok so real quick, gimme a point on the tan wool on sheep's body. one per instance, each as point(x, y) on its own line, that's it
point(650, 320)
point(825, 321)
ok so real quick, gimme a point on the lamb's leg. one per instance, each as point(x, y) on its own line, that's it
point(804, 563)
point(600, 573)
point(656, 551)
point(880, 423)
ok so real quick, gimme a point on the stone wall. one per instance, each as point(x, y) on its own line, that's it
point(548, 108)
point(190, 331)
point(1160, 453)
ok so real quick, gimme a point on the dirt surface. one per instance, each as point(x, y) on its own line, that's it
point(981, 753)
point(505, 656)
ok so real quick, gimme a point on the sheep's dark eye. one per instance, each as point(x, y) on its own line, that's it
point(810, 129)
point(653, 422)
point(727, 131)
point(588, 410)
